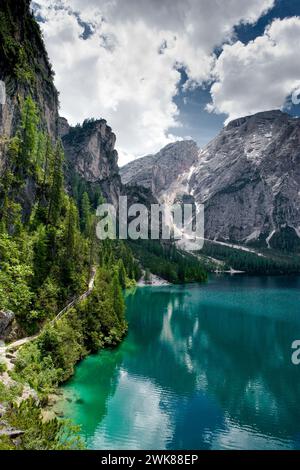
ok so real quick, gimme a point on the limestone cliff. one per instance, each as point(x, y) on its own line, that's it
point(92, 162)
point(24, 68)
point(90, 154)
point(161, 172)
point(248, 179)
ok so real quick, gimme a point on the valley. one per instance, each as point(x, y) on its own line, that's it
point(144, 343)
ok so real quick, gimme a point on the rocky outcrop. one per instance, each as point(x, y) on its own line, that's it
point(24, 71)
point(248, 179)
point(6, 323)
point(91, 156)
point(90, 153)
point(24, 68)
point(90, 148)
point(161, 172)
point(63, 127)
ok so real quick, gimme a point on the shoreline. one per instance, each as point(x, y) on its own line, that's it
point(155, 281)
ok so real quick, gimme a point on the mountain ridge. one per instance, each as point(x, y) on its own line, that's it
point(247, 177)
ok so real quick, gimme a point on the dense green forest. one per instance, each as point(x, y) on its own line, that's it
point(48, 249)
point(168, 262)
point(47, 246)
point(269, 262)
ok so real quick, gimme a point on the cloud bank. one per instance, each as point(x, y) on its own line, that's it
point(121, 59)
point(260, 75)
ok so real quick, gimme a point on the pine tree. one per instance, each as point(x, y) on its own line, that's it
point(40, 265)
point(118, 300)
point(48, 162)
point(71, 231)
point(181, 272)
point(122, 274)
point(56, 194)
point(29, 132)
point(85, 214)
point(41, 150)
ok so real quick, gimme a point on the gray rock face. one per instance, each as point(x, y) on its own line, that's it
point(91, 148)
point(6, 320)
point(34, 77)
point(90, 153)
point(162, 171)
point(248, 179)
point(31, 76)
point(63, 127)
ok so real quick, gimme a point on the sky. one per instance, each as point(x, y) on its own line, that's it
point(165, 70)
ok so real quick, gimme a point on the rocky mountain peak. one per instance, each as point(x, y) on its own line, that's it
point(160, 171)
point(262, 117)
point(90, 148)
point(247, 177)
point(90, 155)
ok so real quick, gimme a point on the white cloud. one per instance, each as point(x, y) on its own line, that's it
point(144, 410)
point(260, 75)
point(118, 73)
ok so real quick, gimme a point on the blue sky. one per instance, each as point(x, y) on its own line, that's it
point(196, 121)
point(163, 70)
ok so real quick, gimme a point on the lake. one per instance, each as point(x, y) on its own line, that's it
point(203, 367)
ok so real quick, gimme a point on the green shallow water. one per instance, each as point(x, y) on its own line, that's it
point(203, 367)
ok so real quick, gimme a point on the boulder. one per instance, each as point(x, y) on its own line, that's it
point(6, 320)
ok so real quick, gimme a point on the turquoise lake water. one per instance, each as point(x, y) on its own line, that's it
point(203, 367)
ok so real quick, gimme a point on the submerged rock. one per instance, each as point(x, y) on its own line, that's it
point(79, 401)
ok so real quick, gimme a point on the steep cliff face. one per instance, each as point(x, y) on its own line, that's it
point(92, 164)
point(24, 68)
point(25, 71)
point(162, 172)
point(248, 179)
point(90, 154)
